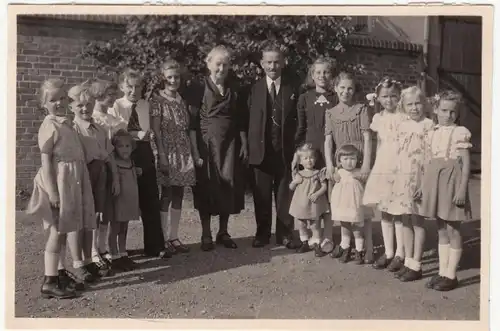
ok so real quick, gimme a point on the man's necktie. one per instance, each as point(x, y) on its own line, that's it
point(133, 122)
point(273, 91)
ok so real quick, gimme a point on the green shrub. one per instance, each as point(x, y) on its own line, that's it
point(148, 40)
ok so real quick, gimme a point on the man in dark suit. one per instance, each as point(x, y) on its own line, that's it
point(271, 145)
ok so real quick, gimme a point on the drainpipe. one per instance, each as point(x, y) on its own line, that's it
point(425, 54)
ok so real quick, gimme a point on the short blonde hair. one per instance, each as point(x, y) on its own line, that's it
point(418, 91)
point(48, 86)
point(80, 92)
point(220, 49)
point(99, 87)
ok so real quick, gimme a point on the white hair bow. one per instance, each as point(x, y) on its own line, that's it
point(371, 97)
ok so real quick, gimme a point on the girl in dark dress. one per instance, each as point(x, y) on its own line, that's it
point(311, 109)
point(218, 127)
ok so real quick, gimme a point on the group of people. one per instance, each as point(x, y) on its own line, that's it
point(322, 156)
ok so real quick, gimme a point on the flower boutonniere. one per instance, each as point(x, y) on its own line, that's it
point(321, 100)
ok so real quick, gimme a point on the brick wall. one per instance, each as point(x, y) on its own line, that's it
point(50, 48)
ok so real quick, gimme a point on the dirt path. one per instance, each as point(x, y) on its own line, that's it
point(250, 283)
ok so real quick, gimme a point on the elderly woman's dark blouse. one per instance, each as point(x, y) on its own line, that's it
point(218, 120)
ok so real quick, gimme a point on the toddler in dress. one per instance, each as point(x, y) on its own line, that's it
point(309, 202)
point(346, 202)
point(445, 185)
point(126, 204)
point(379, 185)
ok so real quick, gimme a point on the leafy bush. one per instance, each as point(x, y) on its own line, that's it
point(148, 40)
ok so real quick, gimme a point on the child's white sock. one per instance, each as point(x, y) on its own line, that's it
point(416, 265)
point(103, 238)
point(388, 236)
point(453, 260)
point(62, 258)
point(78, 264)
point(345, 241)
point(399, 240)
point(443, 255)
point(164, 224)
point(175, 218)
point(359, 242)
point(51, 260)
point(407, 262)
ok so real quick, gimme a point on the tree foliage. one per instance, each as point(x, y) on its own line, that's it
point(149, 40)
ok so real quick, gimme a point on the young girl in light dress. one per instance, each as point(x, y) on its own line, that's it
point(126, 204)
point(385, 125)
point(346, 202)
point(445, 185)
point(171, 121)
point(349, 123)
point(410, 164)
point(62, 195)
point(309, 202)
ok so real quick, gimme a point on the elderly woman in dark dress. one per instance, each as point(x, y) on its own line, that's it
point(221, 149)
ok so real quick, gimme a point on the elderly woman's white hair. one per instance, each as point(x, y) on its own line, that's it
point(220, 49)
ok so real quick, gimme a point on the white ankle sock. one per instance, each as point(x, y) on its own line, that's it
point(444, 255)
point(164, 224)
point(359, 242)
point(175, 218)
point(399, 240)
point(51, 261)
point(453, 260)
point(62, 258)
point(103, 238)
point(388, 236)
point(345, 241)
point(78, 264)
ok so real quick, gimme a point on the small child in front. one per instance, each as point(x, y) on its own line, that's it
point(346, 203)
point(98, 155)
point(126, 203)
point(309, 202)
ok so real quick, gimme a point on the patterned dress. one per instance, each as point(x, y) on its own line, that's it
point(379, 186)
point(175, 123)
point(410, 166)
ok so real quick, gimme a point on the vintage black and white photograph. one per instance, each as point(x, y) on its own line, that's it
point(242, 166)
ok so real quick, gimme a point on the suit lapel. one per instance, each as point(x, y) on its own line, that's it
point(262, 98)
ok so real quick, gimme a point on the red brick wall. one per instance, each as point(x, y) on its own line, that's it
point(50, 48)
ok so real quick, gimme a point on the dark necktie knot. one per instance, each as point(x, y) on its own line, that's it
point(273, 91)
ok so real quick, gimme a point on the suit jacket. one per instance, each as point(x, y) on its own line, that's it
point(257, 107)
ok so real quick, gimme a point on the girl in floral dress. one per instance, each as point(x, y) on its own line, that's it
point(176, 170)
point(410, 164)
point(380, 182)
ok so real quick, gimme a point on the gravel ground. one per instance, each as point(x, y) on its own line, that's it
point(250, 283)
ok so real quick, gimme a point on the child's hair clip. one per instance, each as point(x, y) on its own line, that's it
point(371, 97)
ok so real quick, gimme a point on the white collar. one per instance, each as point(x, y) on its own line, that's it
point(277, 82)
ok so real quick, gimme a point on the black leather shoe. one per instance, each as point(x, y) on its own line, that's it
point(382, 262)
point(225, 240)
point(259, 242)
point(290, 243)
point(433, 281)
point(207, 244)
point(401, 272)
point(446, 284)
point(51, 288)
point(411, 276)
point(396, 264)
